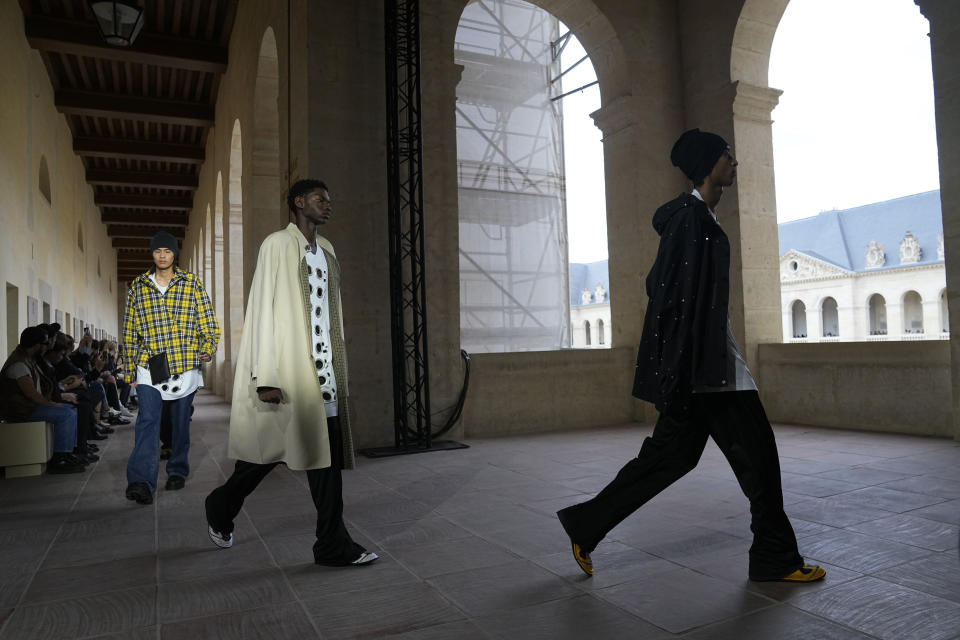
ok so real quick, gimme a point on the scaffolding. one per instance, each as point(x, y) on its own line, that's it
point(514, 287)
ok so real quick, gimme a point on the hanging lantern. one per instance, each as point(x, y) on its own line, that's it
point(119, 22)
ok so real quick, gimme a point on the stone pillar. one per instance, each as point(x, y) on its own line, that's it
point(944, 17)
point(631, 249)
point(759, 313)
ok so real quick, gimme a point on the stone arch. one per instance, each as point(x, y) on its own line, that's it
point(595, 32)
point(798, 312)
point(877, 315)
point(218, 286)
point(753, 39)
point(829, 318)
point(266, 213)
point(912, 305)
point(236, 292)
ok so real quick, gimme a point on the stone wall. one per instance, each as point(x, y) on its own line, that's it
point(901, 387)
point(39, 249)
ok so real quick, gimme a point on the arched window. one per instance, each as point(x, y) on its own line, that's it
point(830, 318)
point(515, 182)
point(600, 336)
point(236, 294)
point(912, 312)
point(43, 180)
point(877, 315)
point(944, 314)
point(219, 264)
point(586, 331)
point(799, 319)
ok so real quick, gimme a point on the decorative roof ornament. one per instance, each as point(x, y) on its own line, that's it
point(875, 255)
point(599, 293)
point(585, 296)
point(910, 251)
point(940, 247)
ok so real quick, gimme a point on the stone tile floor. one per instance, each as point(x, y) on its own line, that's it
point(470, 547)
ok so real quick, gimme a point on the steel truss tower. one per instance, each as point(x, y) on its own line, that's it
point(408, 301)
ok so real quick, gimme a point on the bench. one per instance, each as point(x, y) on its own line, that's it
point(25, 448)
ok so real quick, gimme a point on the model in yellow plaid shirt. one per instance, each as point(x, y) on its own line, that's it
point(167, 312)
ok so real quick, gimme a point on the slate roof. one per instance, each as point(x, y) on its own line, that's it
point(841, 237)
point(588, 275)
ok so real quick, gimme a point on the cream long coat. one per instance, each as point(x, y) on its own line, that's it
point(276, 351)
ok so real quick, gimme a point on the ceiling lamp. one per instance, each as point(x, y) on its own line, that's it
point(119, 22)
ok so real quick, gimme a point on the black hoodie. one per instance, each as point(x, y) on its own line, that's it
point(684, 341)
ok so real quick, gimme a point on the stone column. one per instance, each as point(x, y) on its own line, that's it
point(758, 316)
point(944, 16)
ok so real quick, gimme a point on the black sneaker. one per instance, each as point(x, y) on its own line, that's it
point(64, 463)
point(140, 492)
point(85, 455)
point(92, 447)
point(107, 430)
point(174, 483)
point(165, 453)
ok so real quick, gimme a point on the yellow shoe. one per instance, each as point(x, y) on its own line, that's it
point(806, 573)
point(583, 559)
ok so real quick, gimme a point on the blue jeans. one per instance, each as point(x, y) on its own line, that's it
point(99, 395)
point(144, 462)
point(64, 421)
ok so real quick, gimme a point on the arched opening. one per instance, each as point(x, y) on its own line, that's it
point(267, 213)
point(600, 336)
point(799, 319)
point(43, 180)
point(586, 332)
point(830, 318)
point(893, 93)
point(219, 272)
point(513, 179)
point(944, 314)
point(912, 313)
point(236, 295)
point(877, 312)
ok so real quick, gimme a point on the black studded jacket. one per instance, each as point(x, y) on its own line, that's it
point(684, 340)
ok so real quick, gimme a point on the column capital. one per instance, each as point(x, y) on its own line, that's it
point(616, 116)
point(937, 10)
point(752, 102)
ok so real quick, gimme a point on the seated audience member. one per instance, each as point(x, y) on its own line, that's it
point(22, 400)
point(69, 387)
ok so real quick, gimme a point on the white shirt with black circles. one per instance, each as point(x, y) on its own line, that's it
point(322, 354)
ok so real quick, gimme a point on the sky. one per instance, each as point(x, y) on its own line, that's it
point(855, 123)
point(583, 160)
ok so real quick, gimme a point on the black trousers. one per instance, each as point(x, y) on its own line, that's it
point(334, 544)
point(737, 423)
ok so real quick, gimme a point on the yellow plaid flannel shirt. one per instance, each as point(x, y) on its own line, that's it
point(180, 322)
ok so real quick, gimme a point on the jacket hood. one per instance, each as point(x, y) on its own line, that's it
point(667, 211)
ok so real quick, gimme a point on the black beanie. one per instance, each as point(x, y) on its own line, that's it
point(32, 336)
point(163, 240)
point(696, 152)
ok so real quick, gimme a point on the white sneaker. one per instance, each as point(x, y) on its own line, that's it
point(113, 413)
point(222, 541)
point(126, 413)
point(365, 558)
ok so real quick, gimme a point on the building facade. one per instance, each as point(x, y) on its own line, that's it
point(870, 273)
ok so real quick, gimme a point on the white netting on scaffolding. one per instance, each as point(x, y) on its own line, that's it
point(513, 244)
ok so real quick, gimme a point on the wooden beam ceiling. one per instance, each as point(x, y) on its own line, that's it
point(154, 218)
point(138, 150)
point(81, 38)
point(100, 105)
point(145, 179)
point(139, 114)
